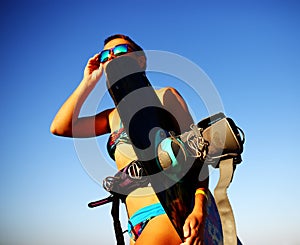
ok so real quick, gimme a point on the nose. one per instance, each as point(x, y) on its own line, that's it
point(111, 56)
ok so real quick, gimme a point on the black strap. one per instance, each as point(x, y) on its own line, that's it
point(116, 221)
point(115, 199)
point(101, 202)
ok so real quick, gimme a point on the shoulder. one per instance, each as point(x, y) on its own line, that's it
point(168, 94)
point(114, 120)
point(166, 89)
point(170, 91)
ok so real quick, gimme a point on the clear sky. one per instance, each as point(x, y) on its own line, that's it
point(250, 51)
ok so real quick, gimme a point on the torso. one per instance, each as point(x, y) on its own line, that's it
point(124, 154)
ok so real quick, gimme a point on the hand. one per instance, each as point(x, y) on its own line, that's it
point(93, 70)
point(193, 229)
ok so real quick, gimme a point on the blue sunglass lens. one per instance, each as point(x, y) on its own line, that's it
point(120, 49)
point(117, 51)
point(104, 55)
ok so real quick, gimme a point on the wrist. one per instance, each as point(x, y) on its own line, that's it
point(202, 192)
point(88, 83)
point(201, 198)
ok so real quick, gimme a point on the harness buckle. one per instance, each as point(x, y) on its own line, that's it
point(135, 171)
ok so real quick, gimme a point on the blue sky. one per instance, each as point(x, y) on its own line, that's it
point(249, 49)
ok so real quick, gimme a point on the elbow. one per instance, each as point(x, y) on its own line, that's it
point(59, 131)
point(54, 130)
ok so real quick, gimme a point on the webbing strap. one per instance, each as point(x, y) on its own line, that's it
point(223, 204)
point(117, 224)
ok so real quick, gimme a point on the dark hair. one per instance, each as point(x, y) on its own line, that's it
point(135, 46)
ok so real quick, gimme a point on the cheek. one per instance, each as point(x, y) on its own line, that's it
point(104, 65)
point(104, 68)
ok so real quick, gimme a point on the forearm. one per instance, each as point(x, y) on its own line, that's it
point(193, 228)
point(201, 192)
point(67, 115)
point(200, 201)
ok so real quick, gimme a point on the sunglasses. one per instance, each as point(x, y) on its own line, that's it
point(116, 51)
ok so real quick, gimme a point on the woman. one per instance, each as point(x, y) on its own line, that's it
point(153, 230)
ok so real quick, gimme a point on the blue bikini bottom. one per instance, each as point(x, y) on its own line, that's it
point(140, 218)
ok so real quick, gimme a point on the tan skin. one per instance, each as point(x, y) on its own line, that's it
point(67, 123)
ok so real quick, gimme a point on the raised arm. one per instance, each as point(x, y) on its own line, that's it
point(67, 122)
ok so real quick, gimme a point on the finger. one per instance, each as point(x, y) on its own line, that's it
point(93, 63)
point(192, 241)
point(195, 237)
point(186, 230)
point(94, 60)
point(101, 67)
point(197, 241)
point(187, 241)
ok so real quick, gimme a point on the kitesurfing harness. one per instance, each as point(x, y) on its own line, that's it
point(120, 185)
point(221, 146)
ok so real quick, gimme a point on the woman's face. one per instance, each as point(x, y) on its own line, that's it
point(118, 41)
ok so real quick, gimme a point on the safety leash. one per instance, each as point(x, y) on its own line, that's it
point(223, 204)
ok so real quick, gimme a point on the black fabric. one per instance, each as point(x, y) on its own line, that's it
point(116, 221)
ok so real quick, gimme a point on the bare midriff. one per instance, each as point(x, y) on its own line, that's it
point(140, 197)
